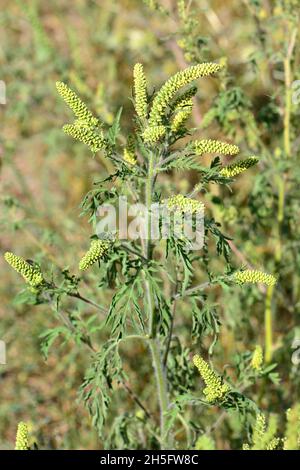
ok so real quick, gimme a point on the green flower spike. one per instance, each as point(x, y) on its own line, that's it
point(22, 437)
point(184, 100)
point(140, 91)
point(215, 390)
point(95, 141)
point(31, 274)
point(76, 105)
point(273, 444)
point(257, 358)
point(292, 433)
point(153, 134)
point(172, 86)
point(180, 118)
point(129, 151)
point(233, 170)
point(263, 437)
point(215, 146)
point(98, 250)
point(183, 107)
point(254, 277)
point(180, 203)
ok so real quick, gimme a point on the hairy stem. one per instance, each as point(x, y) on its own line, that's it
point(161, 390)
point(281, 189)
point(154, 345)
point(148, 254)
point(268, 325)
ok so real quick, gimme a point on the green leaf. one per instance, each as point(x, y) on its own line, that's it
point(115, 128)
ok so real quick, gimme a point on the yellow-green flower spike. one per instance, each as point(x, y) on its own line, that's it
point(153, 134)
point(129, 151)
point(259, 429)
point(95, 141)
point(215, 146)
point(97, 251)
point(263, 437)
point(22, 437)
point(140, 91)
point(180, 203)
point(31, 274)
point(235, 169)
point(76, 104)
point(180, 118)
point(257, 358)
point(184, 100)
point(273, 444)
point(254, 277)
point(292, 433)
point(215, 390)
point(172, 86)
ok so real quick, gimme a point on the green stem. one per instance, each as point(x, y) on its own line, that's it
point(148, 254)
point(280, 216)
point(161, 390)
point(268, 325)
point(281, 191)
point(154, 345)
point(288, 106)
point(149, 188)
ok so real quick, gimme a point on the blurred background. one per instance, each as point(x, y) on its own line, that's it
point(93, 46)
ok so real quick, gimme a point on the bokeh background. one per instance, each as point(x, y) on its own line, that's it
point(93, 45)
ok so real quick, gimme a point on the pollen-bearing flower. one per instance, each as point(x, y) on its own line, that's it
point(292, 433)
point(235, 169)
point(22, 437)
point(95, 141)
point(153, 134)
point(184, 100)
point(98, 250)
point(254, 277)
point(140, 90)
point(180, 203)
point(180, 118)
point(78, 107)
point(183, 107)
point(260, 428)
point(215, 146)
point(31, 274)
point(257, 358)
point(172, 86)
point(263, 436)
point(215, 389)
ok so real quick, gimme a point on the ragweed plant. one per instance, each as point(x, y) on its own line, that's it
point(149, 280)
